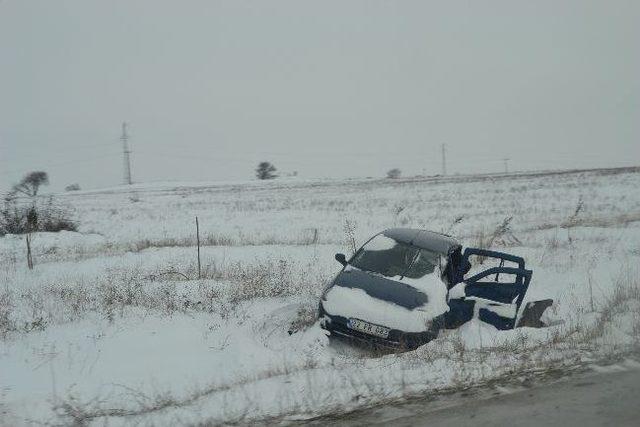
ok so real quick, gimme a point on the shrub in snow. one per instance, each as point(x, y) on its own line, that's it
point(20, 216)
point(24, 212)
point(394, 173)
point(266, 170)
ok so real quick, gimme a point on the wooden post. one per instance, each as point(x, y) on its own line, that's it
point(198, 241)
point(29, 257)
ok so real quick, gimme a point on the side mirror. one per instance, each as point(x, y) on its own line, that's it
point(341, 259)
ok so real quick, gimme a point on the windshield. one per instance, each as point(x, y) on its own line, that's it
point(390, 258)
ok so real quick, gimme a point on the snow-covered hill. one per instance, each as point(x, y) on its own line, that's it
point(113, 323)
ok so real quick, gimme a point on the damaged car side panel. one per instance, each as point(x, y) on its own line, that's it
point(497, 302)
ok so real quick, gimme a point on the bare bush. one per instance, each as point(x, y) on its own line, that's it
point(13, 217)
point(54, 217)
point(23, 212)
point(19, 216)
point(305, 317)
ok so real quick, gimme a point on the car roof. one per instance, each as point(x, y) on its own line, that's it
point(425, 239)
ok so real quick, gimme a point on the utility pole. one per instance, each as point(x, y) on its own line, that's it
point(444, 160)
point(125, 152)
point(506, 164)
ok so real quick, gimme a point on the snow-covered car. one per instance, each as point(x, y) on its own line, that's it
point(404, 285)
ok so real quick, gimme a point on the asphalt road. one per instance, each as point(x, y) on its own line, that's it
point(584, 400)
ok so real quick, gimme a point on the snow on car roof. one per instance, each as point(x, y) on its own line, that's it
point(430, 240)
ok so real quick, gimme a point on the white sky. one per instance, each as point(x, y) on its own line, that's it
point(327, 88)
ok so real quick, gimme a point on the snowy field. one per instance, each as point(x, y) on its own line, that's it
point(114, 327)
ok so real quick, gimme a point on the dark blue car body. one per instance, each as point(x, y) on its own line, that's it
point(483, 292)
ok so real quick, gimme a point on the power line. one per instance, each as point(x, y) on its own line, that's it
point(44, 158)
point(38, 149)
point(70, 162)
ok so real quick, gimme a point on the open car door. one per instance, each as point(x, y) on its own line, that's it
point(494, 294)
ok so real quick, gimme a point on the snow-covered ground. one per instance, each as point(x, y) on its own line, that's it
point(113, 324)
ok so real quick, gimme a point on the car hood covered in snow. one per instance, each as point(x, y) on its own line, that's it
point(382, 288)
point(408, 305)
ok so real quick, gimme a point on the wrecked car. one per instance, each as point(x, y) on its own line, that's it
point(405, 285)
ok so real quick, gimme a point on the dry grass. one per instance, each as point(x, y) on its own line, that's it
point(306, 316)
point(624, 299)
point(349, 229)
point(77, 412)
point(221, 290)
point(600, 221)
point(515, 361)
point(306, 237)
point(501, 235)
point(7, 324)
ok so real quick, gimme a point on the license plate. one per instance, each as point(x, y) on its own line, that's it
point(368, 328)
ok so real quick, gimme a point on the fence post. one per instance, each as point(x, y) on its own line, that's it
point(29, 257)
point(198, 241)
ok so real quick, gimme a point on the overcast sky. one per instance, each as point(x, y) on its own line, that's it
point(325, 88)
